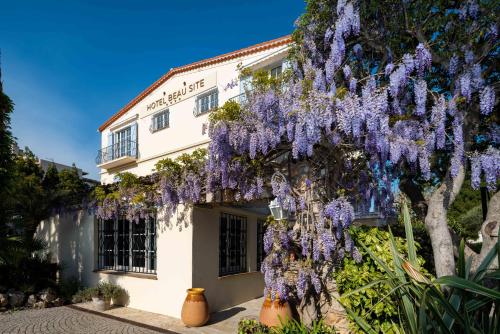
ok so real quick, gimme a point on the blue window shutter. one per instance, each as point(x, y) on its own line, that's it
point(110, 144)
point(133, 138)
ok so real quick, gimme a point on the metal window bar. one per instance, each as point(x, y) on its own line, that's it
point(232, 244)
point(127, 246)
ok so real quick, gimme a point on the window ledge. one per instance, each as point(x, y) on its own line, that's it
point(239, 274)
point(126, 273)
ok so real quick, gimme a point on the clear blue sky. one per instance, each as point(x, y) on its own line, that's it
point(70, 65)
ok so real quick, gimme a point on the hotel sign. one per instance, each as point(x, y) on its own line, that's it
point(182, 91)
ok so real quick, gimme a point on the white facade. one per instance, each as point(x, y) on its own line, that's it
point(188, 246)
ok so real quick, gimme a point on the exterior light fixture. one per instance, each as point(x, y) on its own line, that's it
point(277, 210)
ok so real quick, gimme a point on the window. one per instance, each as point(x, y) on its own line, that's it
point(127, 246)
point(276, 71)
point(232, 244)
point(124, 142)
point(260, 242)
point(160, 121)
point(206, 102)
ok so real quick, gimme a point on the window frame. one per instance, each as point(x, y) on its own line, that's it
point(261, 230)
point(212, 102)
point(109, 254)
point(237, 263)
point(165, 114)
point(277, 71)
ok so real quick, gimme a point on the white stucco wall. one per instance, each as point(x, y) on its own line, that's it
point(185, 131)
point(72, 242)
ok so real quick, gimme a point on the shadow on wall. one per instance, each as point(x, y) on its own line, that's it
point(69, 237)
point(226, 314)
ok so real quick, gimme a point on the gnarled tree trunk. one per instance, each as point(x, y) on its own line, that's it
point(489, 231)
point(437, 226)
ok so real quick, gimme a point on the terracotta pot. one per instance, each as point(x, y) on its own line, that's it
point(195, 308)
point(272, 311)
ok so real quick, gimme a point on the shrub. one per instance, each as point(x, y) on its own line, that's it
point(467, 304)
point(381, 314)
point(103, 289)
point(251, 326)
point(109, 290)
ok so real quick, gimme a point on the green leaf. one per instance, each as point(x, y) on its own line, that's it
point(467, 285)
point(412, 249)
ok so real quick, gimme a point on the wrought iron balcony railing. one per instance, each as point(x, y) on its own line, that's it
point(125, 148)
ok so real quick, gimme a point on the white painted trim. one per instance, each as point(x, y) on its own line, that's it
point(122, 124)
point(180, 149)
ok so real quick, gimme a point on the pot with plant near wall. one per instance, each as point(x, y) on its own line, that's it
point(195, 308)
point(274, 312)
point(98, 299)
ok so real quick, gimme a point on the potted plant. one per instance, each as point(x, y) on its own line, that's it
point(93, 293)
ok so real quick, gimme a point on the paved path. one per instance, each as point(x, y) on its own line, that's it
point(67, 320)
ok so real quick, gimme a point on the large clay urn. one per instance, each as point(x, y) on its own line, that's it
point(274, 310)
point(195, 308)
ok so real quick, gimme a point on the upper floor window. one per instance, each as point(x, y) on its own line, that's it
point(160, 121)
point(276, 71)
point(206, 102)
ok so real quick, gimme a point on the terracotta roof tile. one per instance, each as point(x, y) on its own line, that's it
point(202, 63)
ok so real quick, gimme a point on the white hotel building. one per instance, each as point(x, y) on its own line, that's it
point(217, 247)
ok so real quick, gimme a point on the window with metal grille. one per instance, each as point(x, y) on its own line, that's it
point(261, 229)
point(232, 244)
point(206, 102)
point(160, 121)
point(127, 246)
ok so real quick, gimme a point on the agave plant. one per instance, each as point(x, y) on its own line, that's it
point(467, 302)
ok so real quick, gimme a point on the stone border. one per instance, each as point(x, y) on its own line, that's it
point(130, 322)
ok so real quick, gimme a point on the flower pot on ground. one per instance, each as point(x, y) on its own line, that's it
point(275, 312)
point(195, 308)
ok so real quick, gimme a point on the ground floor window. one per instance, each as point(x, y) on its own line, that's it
point(232, 244)
point(127, 246)
point(260, 242)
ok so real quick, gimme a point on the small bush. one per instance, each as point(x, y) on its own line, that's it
point(251, 326)
point(381, 314)
point(103, 289)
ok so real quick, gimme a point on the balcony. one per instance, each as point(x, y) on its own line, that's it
point(118, 154)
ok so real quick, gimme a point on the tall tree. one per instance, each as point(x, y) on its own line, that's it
point(6, 156)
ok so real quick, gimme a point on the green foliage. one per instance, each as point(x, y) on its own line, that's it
point(381, 314)
point(109, 290)
point(25, 265)
point(183, 164)
point(251, 326)
point(35, 195)
point(104, 289)
point(6, 157)
point(230, 111)
point(468, 305)
point(465, 215)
